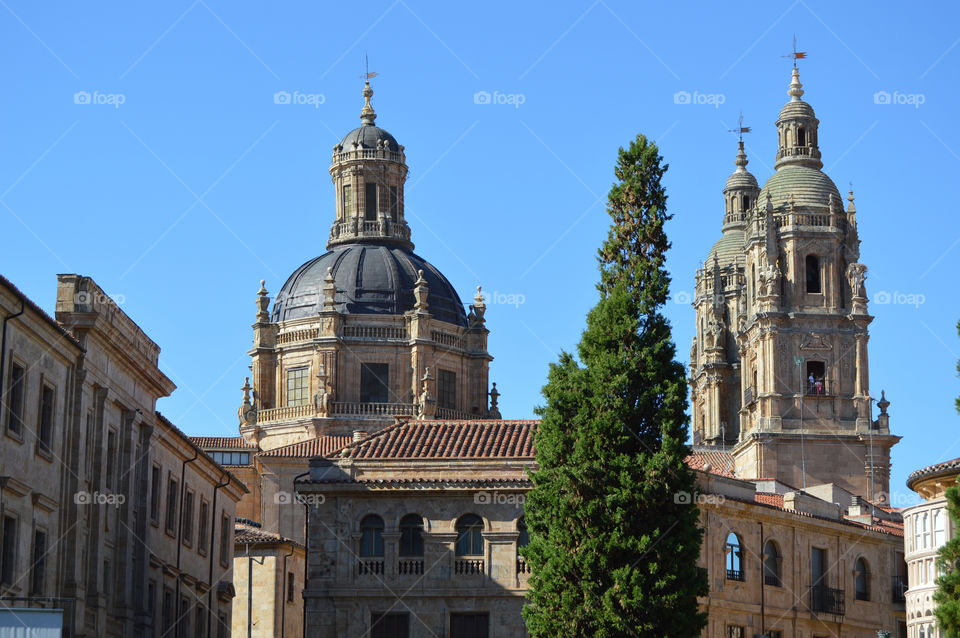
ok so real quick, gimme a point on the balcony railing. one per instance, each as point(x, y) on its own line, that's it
point(735, 574)
point(827, 600)
point(455, 415)
point(375, 409)
point(522, 566)
point(370, 567)
point(899, 589)
point(468, 566)
point(375, 332)
point(410, 566)
point(820, 388)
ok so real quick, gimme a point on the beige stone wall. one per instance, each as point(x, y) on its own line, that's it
point(273, 614)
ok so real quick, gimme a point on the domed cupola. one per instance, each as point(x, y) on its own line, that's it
point(797, 130)
point(740, 192)
point(368, 170)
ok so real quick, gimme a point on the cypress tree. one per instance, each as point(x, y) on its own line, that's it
point(614, 537)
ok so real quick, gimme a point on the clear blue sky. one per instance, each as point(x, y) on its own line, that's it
point(182, 197)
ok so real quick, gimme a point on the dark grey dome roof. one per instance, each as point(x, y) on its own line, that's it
point(369, 135)
point(371, 279)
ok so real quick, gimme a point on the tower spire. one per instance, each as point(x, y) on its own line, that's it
point(367, 115)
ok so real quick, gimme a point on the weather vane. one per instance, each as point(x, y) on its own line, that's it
point(368, 75)
point(796, 55)
point(741, 129)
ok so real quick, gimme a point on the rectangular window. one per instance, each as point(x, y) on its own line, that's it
point(8, 555)
point(298, 386)
point(107, 579)
point(289, 587)
point(18, 384)
point(204, 526)
point(151, 598)
point(390, 625)
point(45, 427)
point(111, 464)
point(816, 378)
point(187, 531)
point(470, 625)
point(223, 630)
point(818, 565)
point(370, 203)
point(348, 201)
point(374, 383)
point(172, 498)
point(38, 569)
point(183, 629)
point(226, 539)
point(200, 624)
point(167, 610)
point(155, 494)
point(734, 632)
point(231, 458)
point(446, 389)
point(394, 204)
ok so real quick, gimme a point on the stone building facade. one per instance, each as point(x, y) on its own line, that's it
point(927, 527)
point(109, 511)
point(779, 366)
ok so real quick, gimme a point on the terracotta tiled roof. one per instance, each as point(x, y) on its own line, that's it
point(320, 446)
point(448, 440)
point(773, 500)
point(222, 443)
point(720, 463)
point(886, 527)
point(947, 467)
point(247, 534)
point(480, 483)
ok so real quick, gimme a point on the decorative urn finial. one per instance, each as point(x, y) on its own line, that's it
point(367, 115)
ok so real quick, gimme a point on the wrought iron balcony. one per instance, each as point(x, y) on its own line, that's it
point(735, 574)
point(820, 388)
point(827, 600)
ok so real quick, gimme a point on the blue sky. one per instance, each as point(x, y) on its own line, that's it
point(181, 183)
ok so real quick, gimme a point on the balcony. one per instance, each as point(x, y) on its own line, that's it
point(899, 589)
point(735, 574)
point(827, 600)
point(410, 567)
point(522, 566)
point(749, 395)
point(375, 409)
point(370, 567)
point(468, 567)
point(820, 388)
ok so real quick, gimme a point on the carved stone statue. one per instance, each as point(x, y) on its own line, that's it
point(427, 405)
point(769, 278)
point(494, 411)
point(856, 275)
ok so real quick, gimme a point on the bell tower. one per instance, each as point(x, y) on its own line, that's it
point(794, 304)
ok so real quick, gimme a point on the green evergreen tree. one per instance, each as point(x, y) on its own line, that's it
point(947, 595)
point(614, 536)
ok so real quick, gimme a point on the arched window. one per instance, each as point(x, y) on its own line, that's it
point(801, 137)
point(411, 535)
point(734, 555)
point(746, 203)
point(470, 536)
point(524, 537)
point(371, 537)
point(771, 564)
point(862, 579)
point(813, 274)
point(939, 529)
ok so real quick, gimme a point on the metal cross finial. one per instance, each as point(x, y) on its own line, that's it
point(796, 55)
point(741, 129)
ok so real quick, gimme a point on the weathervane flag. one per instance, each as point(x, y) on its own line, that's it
point(796, 55)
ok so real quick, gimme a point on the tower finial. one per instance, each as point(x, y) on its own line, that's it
point(367, 115)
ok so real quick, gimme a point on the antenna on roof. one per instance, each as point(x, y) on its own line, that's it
point(741, 129)
point(796, 55)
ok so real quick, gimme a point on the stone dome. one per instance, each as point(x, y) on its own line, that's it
point(809, 186)
point(796, 108)
point(741, 180)
point(372, 279)
point(368, 136)
point(727, 249)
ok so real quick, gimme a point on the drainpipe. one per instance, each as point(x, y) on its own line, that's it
point(3, 343)
point(306, 543)
point(179, 531)
point(250, 561)
point(763, 581)
point(225, 481)
point(283, 601)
